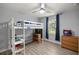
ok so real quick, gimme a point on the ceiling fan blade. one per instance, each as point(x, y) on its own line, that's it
point(47, 7)
point(49, 11)
point(36, 10)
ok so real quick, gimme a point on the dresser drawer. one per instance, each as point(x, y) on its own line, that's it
point(70, 47)
point(74, 41)
point(70, 44)
point(70, 39)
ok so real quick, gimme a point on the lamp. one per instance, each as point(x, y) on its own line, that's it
point(42, 11)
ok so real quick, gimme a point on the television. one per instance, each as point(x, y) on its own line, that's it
point(67, 32)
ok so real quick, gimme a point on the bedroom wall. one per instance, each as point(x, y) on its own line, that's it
point(3, 35)
point(70, 20)
point(5, 16)
point(43, 20)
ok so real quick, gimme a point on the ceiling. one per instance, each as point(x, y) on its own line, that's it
point(27, 8)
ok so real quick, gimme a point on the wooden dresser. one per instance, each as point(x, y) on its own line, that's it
point(70, 42)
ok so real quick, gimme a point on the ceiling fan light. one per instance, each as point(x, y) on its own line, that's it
point(42, 11)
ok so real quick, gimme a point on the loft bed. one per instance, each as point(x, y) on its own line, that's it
point(7, 30)
point(23, 25)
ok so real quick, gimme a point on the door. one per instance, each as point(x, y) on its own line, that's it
point(52, 29)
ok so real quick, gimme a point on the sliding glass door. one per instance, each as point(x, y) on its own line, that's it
point(52, 29)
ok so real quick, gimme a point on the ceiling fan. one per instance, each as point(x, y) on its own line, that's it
point(42, 9)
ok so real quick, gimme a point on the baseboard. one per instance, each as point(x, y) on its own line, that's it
point(4, 50)
point(53, 41)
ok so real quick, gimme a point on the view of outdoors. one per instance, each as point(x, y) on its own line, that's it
point(52, 26)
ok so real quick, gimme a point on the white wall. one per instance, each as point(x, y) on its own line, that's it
point(70, 20)
point(43, 20)
point(5, 15)
point(3, 36)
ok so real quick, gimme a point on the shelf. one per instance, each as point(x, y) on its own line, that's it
point(19, 50)
point(18, 42)
point(25, 27)
point(18, 27)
